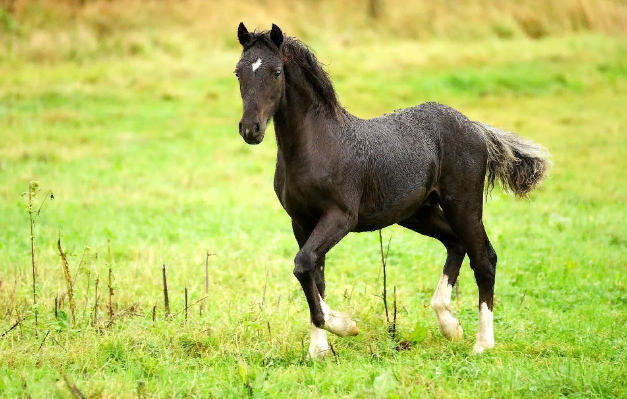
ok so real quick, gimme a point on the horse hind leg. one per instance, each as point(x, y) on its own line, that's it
point(466, 221)
point(431, 222)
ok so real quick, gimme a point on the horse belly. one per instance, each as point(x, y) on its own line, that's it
point(391, 210)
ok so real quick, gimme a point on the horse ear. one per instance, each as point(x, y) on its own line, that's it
point(276, 35)
point(242, 34)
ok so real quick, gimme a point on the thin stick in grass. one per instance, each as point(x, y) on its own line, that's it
point(32, 191)
point(80, 263)
point(110, 280)
point(187, 307)
point(263, 299)
point(37, 363)
point(68, 280)
point(394, 323)
point(385, 301)
point(76, 393)
point(96, 302)
point(165, 293)
point(206, 282)
point(86, 292)
point(14, 325)
point(185, 304)
point(457, 292)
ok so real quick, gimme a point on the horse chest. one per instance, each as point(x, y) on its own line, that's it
point(304, 196)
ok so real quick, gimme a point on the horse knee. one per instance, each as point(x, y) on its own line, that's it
point(304, 265)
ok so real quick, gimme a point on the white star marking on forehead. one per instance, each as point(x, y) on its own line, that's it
point(256, 64)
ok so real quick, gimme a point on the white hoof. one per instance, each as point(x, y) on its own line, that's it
point(340, 325)
point(481, 346)
point(454, 334)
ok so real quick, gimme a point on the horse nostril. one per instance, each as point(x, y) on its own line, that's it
point(257, 128)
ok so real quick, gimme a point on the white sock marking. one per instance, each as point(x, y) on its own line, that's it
point(441, 304)
point(256, 64)
point(318, 347)
point(485, 335)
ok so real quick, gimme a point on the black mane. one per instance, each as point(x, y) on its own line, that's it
point(298, 53)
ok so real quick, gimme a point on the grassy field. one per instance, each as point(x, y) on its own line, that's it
point(142, 150)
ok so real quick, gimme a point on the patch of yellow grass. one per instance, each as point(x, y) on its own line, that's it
point(47, 30)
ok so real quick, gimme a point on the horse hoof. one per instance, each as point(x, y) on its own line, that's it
point(319, 354)
point(459, 333)
point(481, 346)
point(451, 329)
point(341, 325)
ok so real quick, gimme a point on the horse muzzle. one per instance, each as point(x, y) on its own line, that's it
point(252, 130)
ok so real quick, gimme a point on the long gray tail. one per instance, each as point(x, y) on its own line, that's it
point(519, 164)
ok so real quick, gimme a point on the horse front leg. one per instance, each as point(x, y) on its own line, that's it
point(330, 229)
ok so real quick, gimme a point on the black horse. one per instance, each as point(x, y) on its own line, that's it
point(423, 168)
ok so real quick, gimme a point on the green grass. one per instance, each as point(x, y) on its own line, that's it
point(144, 151)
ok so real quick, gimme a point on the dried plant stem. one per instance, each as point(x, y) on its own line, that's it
point(110, 293)
point(192, 304)
point(263, 299)
point(96, 302)
point(42, 342)
point(165, 293)
point(68, 280)
point(457, 292)
point(385, 301)
point(185, 303)
point(80, 263)
point(12, 327)
point(86, 293)
point(76, 393)
point(110, 280)
point(394, 322)
point(32, 190)
point(206, 282)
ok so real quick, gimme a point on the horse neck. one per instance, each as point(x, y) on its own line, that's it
point(294, 121)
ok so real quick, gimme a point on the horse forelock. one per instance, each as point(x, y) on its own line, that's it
point(295, 52)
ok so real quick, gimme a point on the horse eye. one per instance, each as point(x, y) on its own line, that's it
point(277, 73)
